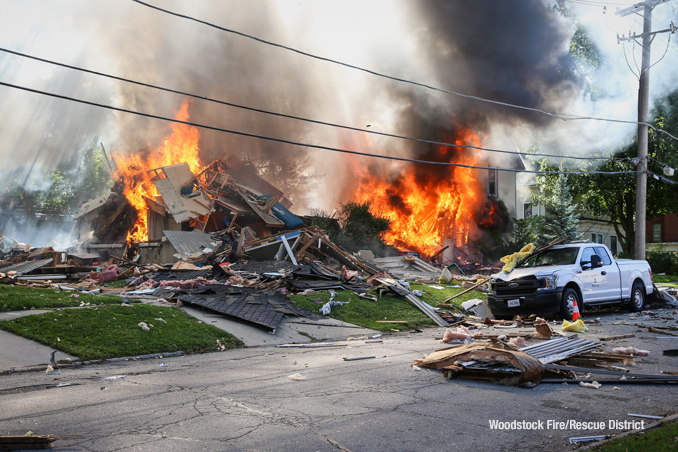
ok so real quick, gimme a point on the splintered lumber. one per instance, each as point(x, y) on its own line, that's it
point(614, 338)
point(465, 291)
point(315, 237)
point(355, 358)
point(655, 330)
point(392, 321)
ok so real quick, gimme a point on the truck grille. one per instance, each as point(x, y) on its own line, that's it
point(525, 286)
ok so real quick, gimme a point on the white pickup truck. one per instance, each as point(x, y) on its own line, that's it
point(551, 281)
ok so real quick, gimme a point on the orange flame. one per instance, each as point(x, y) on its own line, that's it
point(426, 204)
point(181, 146)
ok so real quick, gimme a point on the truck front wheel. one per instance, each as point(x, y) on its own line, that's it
point(637, 297)
point(570, 296)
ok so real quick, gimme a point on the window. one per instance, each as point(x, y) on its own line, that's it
point(527, 210)
point(585, 261)
point(657, 232)
point(596, 238)
point(593, 238)
point(602, 252)
point(553, 256)
point(493, 190)
point(600, 238)
point(613, 244)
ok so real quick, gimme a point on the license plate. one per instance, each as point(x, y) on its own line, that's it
point(513, 303)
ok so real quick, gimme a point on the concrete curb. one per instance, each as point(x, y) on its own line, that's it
point(96, 361)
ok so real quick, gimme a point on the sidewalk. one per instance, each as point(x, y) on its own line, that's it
point(17, 352)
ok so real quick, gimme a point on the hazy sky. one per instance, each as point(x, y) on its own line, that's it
point(512, 51)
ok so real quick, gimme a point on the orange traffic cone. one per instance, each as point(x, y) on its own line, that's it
point(575, 314)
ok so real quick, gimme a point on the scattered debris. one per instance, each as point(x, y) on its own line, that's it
point(630, 351)
point(592, 385)
point(491, 361)
point(587, 439)
point(355, 358)
point(614, 338)
point(461, 335)
point(313, 345)
point(574, 327)
point(297, 377)
point(646, 416)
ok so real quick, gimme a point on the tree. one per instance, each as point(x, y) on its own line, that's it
point(561, 212)
point(361, 229)
point(614, 195)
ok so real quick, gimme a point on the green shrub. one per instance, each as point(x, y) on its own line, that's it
point(662, 261)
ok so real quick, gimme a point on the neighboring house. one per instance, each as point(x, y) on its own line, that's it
point(502, 184)
point(664, 231)
point(597, 230)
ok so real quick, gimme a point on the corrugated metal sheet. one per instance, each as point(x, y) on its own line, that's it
point(559, 349)
point(26, 267)
point(188, 243)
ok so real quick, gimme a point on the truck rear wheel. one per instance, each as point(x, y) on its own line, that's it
point(637, 297)
point(567, 304)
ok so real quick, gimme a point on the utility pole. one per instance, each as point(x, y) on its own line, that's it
point(643, 114)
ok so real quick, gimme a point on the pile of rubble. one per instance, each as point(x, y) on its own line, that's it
point(554, 357)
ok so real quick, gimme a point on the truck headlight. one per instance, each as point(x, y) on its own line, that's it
point(550, 281)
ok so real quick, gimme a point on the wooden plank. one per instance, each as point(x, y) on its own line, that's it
point(178, 174)
point(290, 253)
point(464, 291)
point(403, 322)
point(614, 338)
point(172, 200)
point(655, 330)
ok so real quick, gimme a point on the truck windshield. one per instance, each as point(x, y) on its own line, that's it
point(560, 256)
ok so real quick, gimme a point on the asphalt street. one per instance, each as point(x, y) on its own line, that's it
point(245, 399)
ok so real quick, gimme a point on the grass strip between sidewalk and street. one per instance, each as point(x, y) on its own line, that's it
point(661, 439)
point(366, 313)
point(18, 298)
point(113, 331)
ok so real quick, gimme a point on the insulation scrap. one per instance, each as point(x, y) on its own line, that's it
point(574, 327)
point(105, 275)
point(144, 326)
point(592, 385)
point(189, 283)
point(512, 260)
point(630, 351)
point(517, 342)
point(462, 334)
point(373, 280)
point(348, 274)
point(530, 367)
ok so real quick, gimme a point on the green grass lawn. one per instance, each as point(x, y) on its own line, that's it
point(17, 298)
point(112, 331)
point(665, 279)
point(389, 307)
point(662, 439)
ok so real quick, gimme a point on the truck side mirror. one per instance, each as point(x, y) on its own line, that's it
point(596, 261)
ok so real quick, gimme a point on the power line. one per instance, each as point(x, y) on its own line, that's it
point(296, 143)
point(313, 121)
point(561, 116)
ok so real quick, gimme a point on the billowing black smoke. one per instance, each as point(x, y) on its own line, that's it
point(511, 51)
